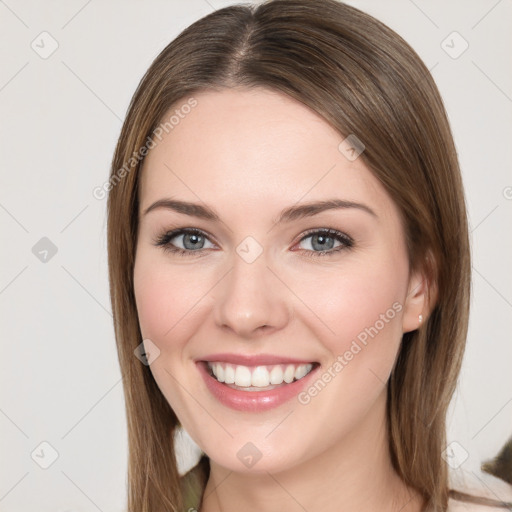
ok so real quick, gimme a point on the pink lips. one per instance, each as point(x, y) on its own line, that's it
point(253, 401)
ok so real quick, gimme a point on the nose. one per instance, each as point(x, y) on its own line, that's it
point(251, 300)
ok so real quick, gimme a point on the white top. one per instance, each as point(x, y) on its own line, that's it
point(461, 506)
point(484, 485)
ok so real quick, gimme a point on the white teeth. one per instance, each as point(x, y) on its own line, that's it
point(229, 374)
point(289, 373)
point(242, 376)
point(301, 371)
point(220, 373)
point(276, 375)
point(258, 376)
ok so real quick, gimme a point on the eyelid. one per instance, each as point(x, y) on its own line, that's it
point(163, 240)
point(171, 233)
point(345, 240)
point(328, 231)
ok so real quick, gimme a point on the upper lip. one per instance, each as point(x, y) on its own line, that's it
point(252, 360)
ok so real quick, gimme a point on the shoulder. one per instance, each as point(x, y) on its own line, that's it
point(462, 506)
point(193, 483)
point(490, 495)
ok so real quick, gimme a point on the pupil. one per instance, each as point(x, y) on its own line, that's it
point(192, 241)
point(322, 242)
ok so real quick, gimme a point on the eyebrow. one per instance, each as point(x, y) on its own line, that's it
point(287, 215)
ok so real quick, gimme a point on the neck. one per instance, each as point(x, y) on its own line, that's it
point(354, 475)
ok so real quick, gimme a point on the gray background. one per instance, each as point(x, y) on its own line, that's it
point(61, 116)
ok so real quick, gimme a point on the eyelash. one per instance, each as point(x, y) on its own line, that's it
point(165, 239)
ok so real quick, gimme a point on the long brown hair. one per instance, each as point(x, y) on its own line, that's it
point(363, 79)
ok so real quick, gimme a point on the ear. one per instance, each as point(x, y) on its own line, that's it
point(420, 299)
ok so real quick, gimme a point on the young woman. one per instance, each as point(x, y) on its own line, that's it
point(288, 247)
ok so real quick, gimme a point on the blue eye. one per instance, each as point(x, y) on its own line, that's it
point(193, 240)
point(323, 242)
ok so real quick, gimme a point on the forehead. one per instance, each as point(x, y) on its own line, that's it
point(244, 148)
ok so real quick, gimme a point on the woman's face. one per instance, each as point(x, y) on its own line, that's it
point(290, 257)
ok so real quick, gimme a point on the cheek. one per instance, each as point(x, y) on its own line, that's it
point(358, 304)
point(166, 299)
point(363, 306)
point(168, 307)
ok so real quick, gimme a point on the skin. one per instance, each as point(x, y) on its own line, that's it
point(248, 154)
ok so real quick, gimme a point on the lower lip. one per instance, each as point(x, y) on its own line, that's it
point(253, 401)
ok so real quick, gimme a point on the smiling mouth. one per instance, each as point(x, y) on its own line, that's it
point(258, 378)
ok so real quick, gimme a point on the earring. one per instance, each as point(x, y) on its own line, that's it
point(420, 319)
